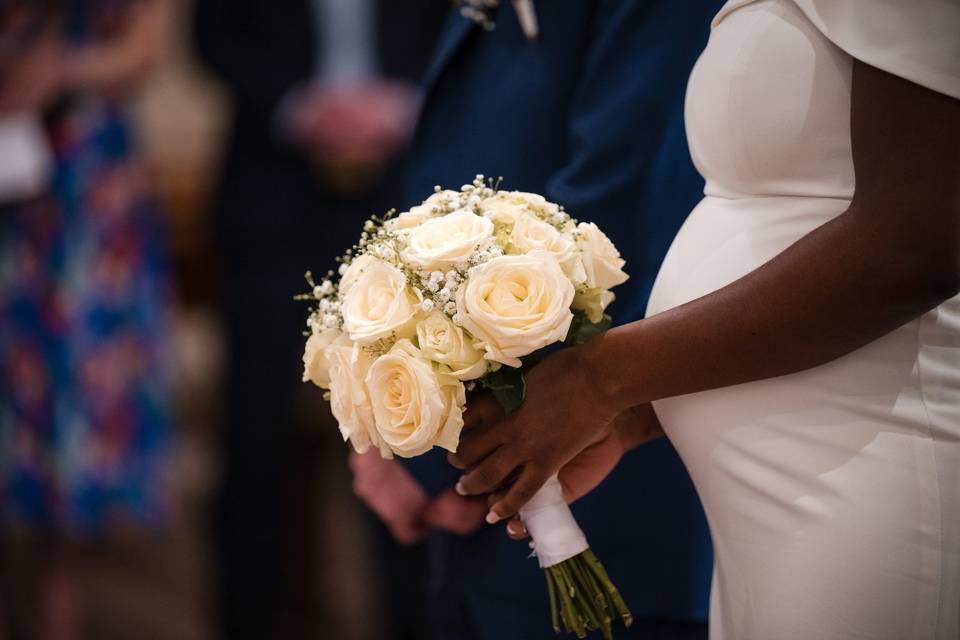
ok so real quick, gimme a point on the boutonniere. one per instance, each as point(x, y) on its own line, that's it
point(479, 11)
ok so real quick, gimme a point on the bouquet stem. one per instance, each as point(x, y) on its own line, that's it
point(582, 596)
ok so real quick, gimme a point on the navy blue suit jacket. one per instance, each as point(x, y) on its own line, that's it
point(591, 116)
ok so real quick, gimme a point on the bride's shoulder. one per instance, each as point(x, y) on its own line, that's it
point(914, 39)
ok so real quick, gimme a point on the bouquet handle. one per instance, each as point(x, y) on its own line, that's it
point(547, 517)
point(582, 596)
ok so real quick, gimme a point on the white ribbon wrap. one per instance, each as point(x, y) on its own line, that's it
point(556, 536)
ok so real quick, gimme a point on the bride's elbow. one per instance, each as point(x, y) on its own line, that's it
point(927, 271)
point(940, 269)
point(947, 279)
point(947, 286)
point(950, 283)
point(927, 253)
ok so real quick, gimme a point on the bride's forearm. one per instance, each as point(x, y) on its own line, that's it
point(840, 287)
point(893, 255)
point(636, 426)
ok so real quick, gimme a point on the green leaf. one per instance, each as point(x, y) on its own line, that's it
point(583, 331)
point(508, 387)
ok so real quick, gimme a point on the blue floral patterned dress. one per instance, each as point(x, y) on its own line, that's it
point(84, 402)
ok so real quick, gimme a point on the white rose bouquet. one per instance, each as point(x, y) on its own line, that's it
point(450, 296)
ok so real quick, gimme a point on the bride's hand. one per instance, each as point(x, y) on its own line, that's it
point(631, 428)
point(580, 476)
point(565, 411)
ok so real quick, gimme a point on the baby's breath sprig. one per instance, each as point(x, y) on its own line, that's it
point(438, 289)
point(326, 315)
point(381, 346)
point(479, 11)
point(473, 194)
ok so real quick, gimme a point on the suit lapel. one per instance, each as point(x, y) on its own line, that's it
point(454, 32)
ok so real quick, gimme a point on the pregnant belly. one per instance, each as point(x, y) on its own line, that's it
point(849, 464)
point(724, 239)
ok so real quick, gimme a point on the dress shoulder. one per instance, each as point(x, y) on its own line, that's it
point(918, 40)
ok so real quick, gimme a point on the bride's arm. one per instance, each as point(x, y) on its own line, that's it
point(893, 255)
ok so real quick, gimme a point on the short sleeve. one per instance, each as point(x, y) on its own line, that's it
point(918, 40)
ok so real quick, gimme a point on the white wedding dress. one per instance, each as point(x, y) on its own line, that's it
point(833, 495)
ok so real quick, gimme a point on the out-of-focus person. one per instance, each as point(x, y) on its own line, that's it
point(325, 98)
point(84, 404)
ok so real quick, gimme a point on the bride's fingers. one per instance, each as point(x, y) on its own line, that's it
point(490, 474)
point(526, 486)
point(516, 530)
point(476, 445)
point(484, 410)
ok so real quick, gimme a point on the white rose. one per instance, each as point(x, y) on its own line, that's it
point(594, 302)
point(438, 202)
point(379, 304)
point(516, 305)
point(415, 408)
point(501, 210)
point(507, 206)
point(531, 234)
point(442, 341)
point(534, 201)
point(409, 219)
point(349, 400)
point(354, 271)
point(316, 367)
point(446, 200)
point(601, 260)
point(441, 243)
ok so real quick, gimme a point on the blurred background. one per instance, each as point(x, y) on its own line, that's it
point(161, 162)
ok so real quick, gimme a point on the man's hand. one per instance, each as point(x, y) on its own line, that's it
point(456, 514)
point(451, 511)
point(362, 126)
point(391, 492)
